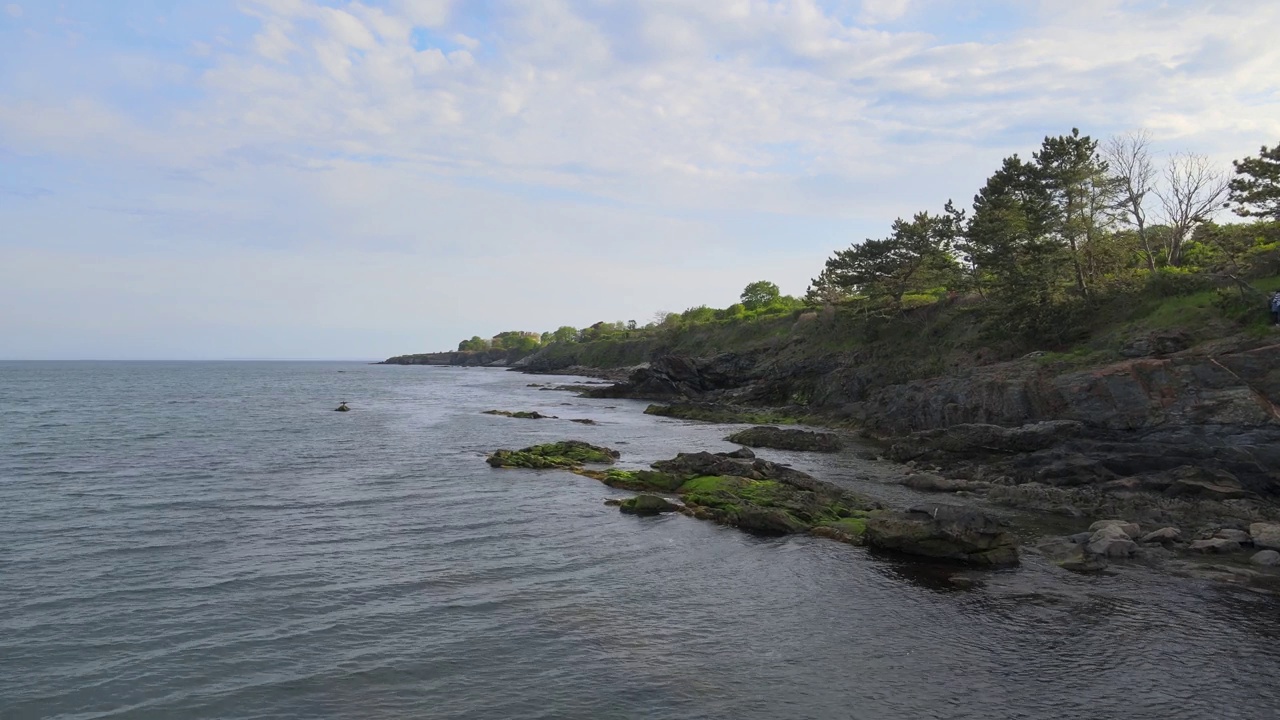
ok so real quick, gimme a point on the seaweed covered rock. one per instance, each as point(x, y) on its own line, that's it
point(535, 415)
point(646, 505)
point(770, 507)
point(566, 454)
point(768, 436)
point(715, 413)
point(944, 532)
point(638, 480)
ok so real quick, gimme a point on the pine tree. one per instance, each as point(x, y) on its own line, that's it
point(1255, 190)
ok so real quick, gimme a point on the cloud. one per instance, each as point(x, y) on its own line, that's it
point(13, 10)
point(468, 145)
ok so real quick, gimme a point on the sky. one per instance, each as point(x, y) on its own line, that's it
point(307, 179)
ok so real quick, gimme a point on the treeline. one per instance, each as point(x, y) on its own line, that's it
point(1078, 224)
point(758, 299)
point(1046, 242)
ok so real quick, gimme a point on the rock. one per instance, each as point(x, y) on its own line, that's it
point(978, 439)
point(1163, 536)
point(1265, 535)
point(342, 407)
point(1266, 558)
point(742, 453)
point(944, 532)
point(615, 502)
point(1131, 529)
point(1157, 344)
point(1111, 541)
point(1080, 538)
point(1215, 546)
point(789, 439)
point(1233, 535)
point(566, 454)
point(520, 414)
point(1197, 482)
point(929, 482)
point(1084, 563)
point(646, 505)
point(1070, 555)
point(583, 421)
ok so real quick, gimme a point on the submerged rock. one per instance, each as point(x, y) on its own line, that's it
point(944, 532)
point(567, 454)
point(786, 439)
point(646, 505)
point(521, 414)
point(1111, 541)
point(929, 482)
point(583, 421)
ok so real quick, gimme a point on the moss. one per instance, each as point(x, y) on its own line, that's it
point(638, 480)
point(566, 454)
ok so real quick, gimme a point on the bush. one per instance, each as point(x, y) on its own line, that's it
point(1175, 282)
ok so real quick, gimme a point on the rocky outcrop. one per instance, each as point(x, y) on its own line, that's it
point(944, 532)
point(521, 414)
point(647, 505)
point(788, 439)
point(567, 454)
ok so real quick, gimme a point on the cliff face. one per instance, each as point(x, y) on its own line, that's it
point(1215, 407)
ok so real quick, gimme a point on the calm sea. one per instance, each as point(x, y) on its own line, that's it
point(211, 540)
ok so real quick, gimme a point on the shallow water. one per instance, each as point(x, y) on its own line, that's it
point(210, 540)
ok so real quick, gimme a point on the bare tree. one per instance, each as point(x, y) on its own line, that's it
point(1193, 190)
point(1129, 157)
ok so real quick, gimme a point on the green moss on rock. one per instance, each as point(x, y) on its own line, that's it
point(568, 454)
point(646, 505)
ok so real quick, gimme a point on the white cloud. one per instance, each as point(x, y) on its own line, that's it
point(879, 11)
point(14, 10)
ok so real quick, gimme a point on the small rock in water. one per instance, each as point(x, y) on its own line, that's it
point(1163, 535)
point(1111, 541)
point(929, 482)
point(1133, 530)
point(1266, 558)
point(1216, 546)
point(1239, 536)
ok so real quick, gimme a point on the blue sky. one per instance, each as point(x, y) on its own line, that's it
point(289, 178)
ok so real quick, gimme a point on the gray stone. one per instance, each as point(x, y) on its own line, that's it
point(1266, 558)
point(1239, 536)
point(1265, 535)
point(1215, 546)
point(1111, 541)
point(1133, 530)
point(1163, 535)
point(929, 482)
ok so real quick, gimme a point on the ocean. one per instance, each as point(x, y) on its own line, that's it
point(211, 540)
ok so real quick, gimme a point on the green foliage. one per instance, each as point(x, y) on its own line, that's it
point(475, 344)
point(759, 294)
point(565, 334)
point(915, 256)
point(1255, 190)
point(701, 313)
point(517, 340)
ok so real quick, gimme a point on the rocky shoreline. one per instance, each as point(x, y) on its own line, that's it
point(1183, 446)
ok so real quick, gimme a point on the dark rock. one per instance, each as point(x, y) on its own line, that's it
point(788, 439)
point(520, 414)
point(342, 407)
point(1215, 546)
point(944, 532)
point(741, 453)
point(1266, 558)
point(1204, 483)
point(567, 454)
point(929, 482)
point(646, 505)
point(583, 421)
point(1238, 536)
point(1162, 343)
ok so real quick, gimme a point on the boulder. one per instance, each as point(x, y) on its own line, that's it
point(1133, 530)
point(1266, 558)
point(1163, 536)
point(788, 439)
point(1205, 484)
point(1215, 546)
point(1265, 535)
point(646, 505)
point(929, 482)
point(944, 532)
point(978, 439)
point(1239, 536)
point(1070, 555)
point(566, 454)
point(742, 453)
point(1111, 541)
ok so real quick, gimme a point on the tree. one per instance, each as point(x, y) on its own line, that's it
point(825, 289)
point(1193, 190)
point(1255, 190)
point(565, 334)
point(475, 344)
point(916, 256)
point(759, 294)
point(1008, 241)
point(1082, 198)
point(1129, 157)
point(631, 324)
